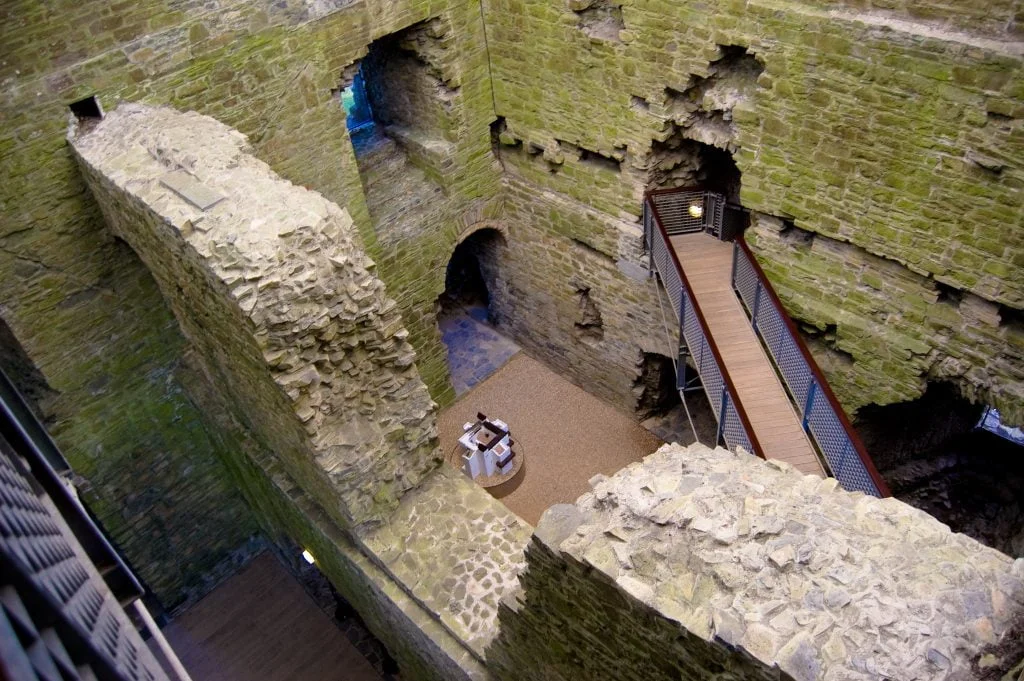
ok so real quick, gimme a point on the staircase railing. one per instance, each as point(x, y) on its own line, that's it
point(821, 415)
point(694, 336)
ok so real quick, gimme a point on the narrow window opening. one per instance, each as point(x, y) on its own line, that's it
point(87, 109)
point(358, 114)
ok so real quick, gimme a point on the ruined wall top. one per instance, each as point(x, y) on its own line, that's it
point(824, 583)
point(268, 281)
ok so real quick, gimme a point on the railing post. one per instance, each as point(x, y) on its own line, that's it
point(680, 354)
point(735, 258)
point(757, 306)
point(648, 238)
point(811, 390)
point(721, 417)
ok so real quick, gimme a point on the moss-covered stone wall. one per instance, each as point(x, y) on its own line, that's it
point(85, 309)
point(893, 129)
point(571, 286)
point(931, 332)
point(888, 129)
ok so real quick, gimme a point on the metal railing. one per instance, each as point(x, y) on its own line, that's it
point(821, 415)
point(694, 336)
point(63, 588)
point(688, 210)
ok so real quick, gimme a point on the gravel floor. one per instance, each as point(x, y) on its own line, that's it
point(566, 434)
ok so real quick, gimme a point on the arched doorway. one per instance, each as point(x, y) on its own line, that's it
point(467, 311)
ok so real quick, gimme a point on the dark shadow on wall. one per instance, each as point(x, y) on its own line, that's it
point(656, 386)
point(25, 376)
point(473, 272)
point(934, 458)
point(897, 433)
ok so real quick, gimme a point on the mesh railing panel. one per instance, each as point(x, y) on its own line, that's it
point(773, 329)
point(733, 432)
point(666, 268)
point(674, 211)
point(36, 542)
point(823, 423)
point(835, 444)
point(691, 331)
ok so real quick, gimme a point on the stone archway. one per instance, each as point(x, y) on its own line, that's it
point(466, 313)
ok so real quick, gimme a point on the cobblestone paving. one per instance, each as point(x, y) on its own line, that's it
point(457, 551)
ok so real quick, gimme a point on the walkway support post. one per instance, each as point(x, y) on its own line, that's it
point(809, 403)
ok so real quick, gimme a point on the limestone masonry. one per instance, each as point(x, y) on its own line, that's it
point(224, 304)
point(269, 287)
point(697, 563)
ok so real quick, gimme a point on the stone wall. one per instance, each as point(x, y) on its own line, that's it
point(704, 563)
point(888, 128)
point(82, 305)
point(307, 357)
point(891, 322)
point(430, 84)
point(270, 288)
point(571, 287)
point(424, 649)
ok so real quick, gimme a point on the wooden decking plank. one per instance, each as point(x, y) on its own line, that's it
point(707, 264)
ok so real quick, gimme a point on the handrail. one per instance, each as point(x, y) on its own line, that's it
point(740, 411)
point(19, 425)
point(816, 373)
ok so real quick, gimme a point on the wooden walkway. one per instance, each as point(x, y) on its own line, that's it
point(707, 263)
point(260, 624)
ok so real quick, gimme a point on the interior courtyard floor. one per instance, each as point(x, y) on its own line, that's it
point(566, 434)
point(261, 624)
point(475, 349)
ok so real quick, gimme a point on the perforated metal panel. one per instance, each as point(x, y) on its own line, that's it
point(682, 212)
point(822, 421)
point(692, 334)
point(59, 617)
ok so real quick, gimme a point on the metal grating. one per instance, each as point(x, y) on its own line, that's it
point(62, 620)
point(820, 417)
point(672, 209)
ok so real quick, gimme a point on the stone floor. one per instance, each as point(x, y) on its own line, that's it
point(455, 550)
point(475, 349)
point(260, 624)
point(566, 434)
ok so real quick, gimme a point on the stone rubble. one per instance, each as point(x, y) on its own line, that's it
point(271, 287)
point(748, 555)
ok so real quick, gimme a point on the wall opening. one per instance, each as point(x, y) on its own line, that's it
point(399, 106)
point(655, 388)
point(659, 405)
point(465, 313)
point(589, 325)
point(936, 455)
point(681, 162)
point(358, 115)
point(87, 109)
point(403, 89)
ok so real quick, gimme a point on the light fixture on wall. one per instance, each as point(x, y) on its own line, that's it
point(308, 557)
point(696, 210)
